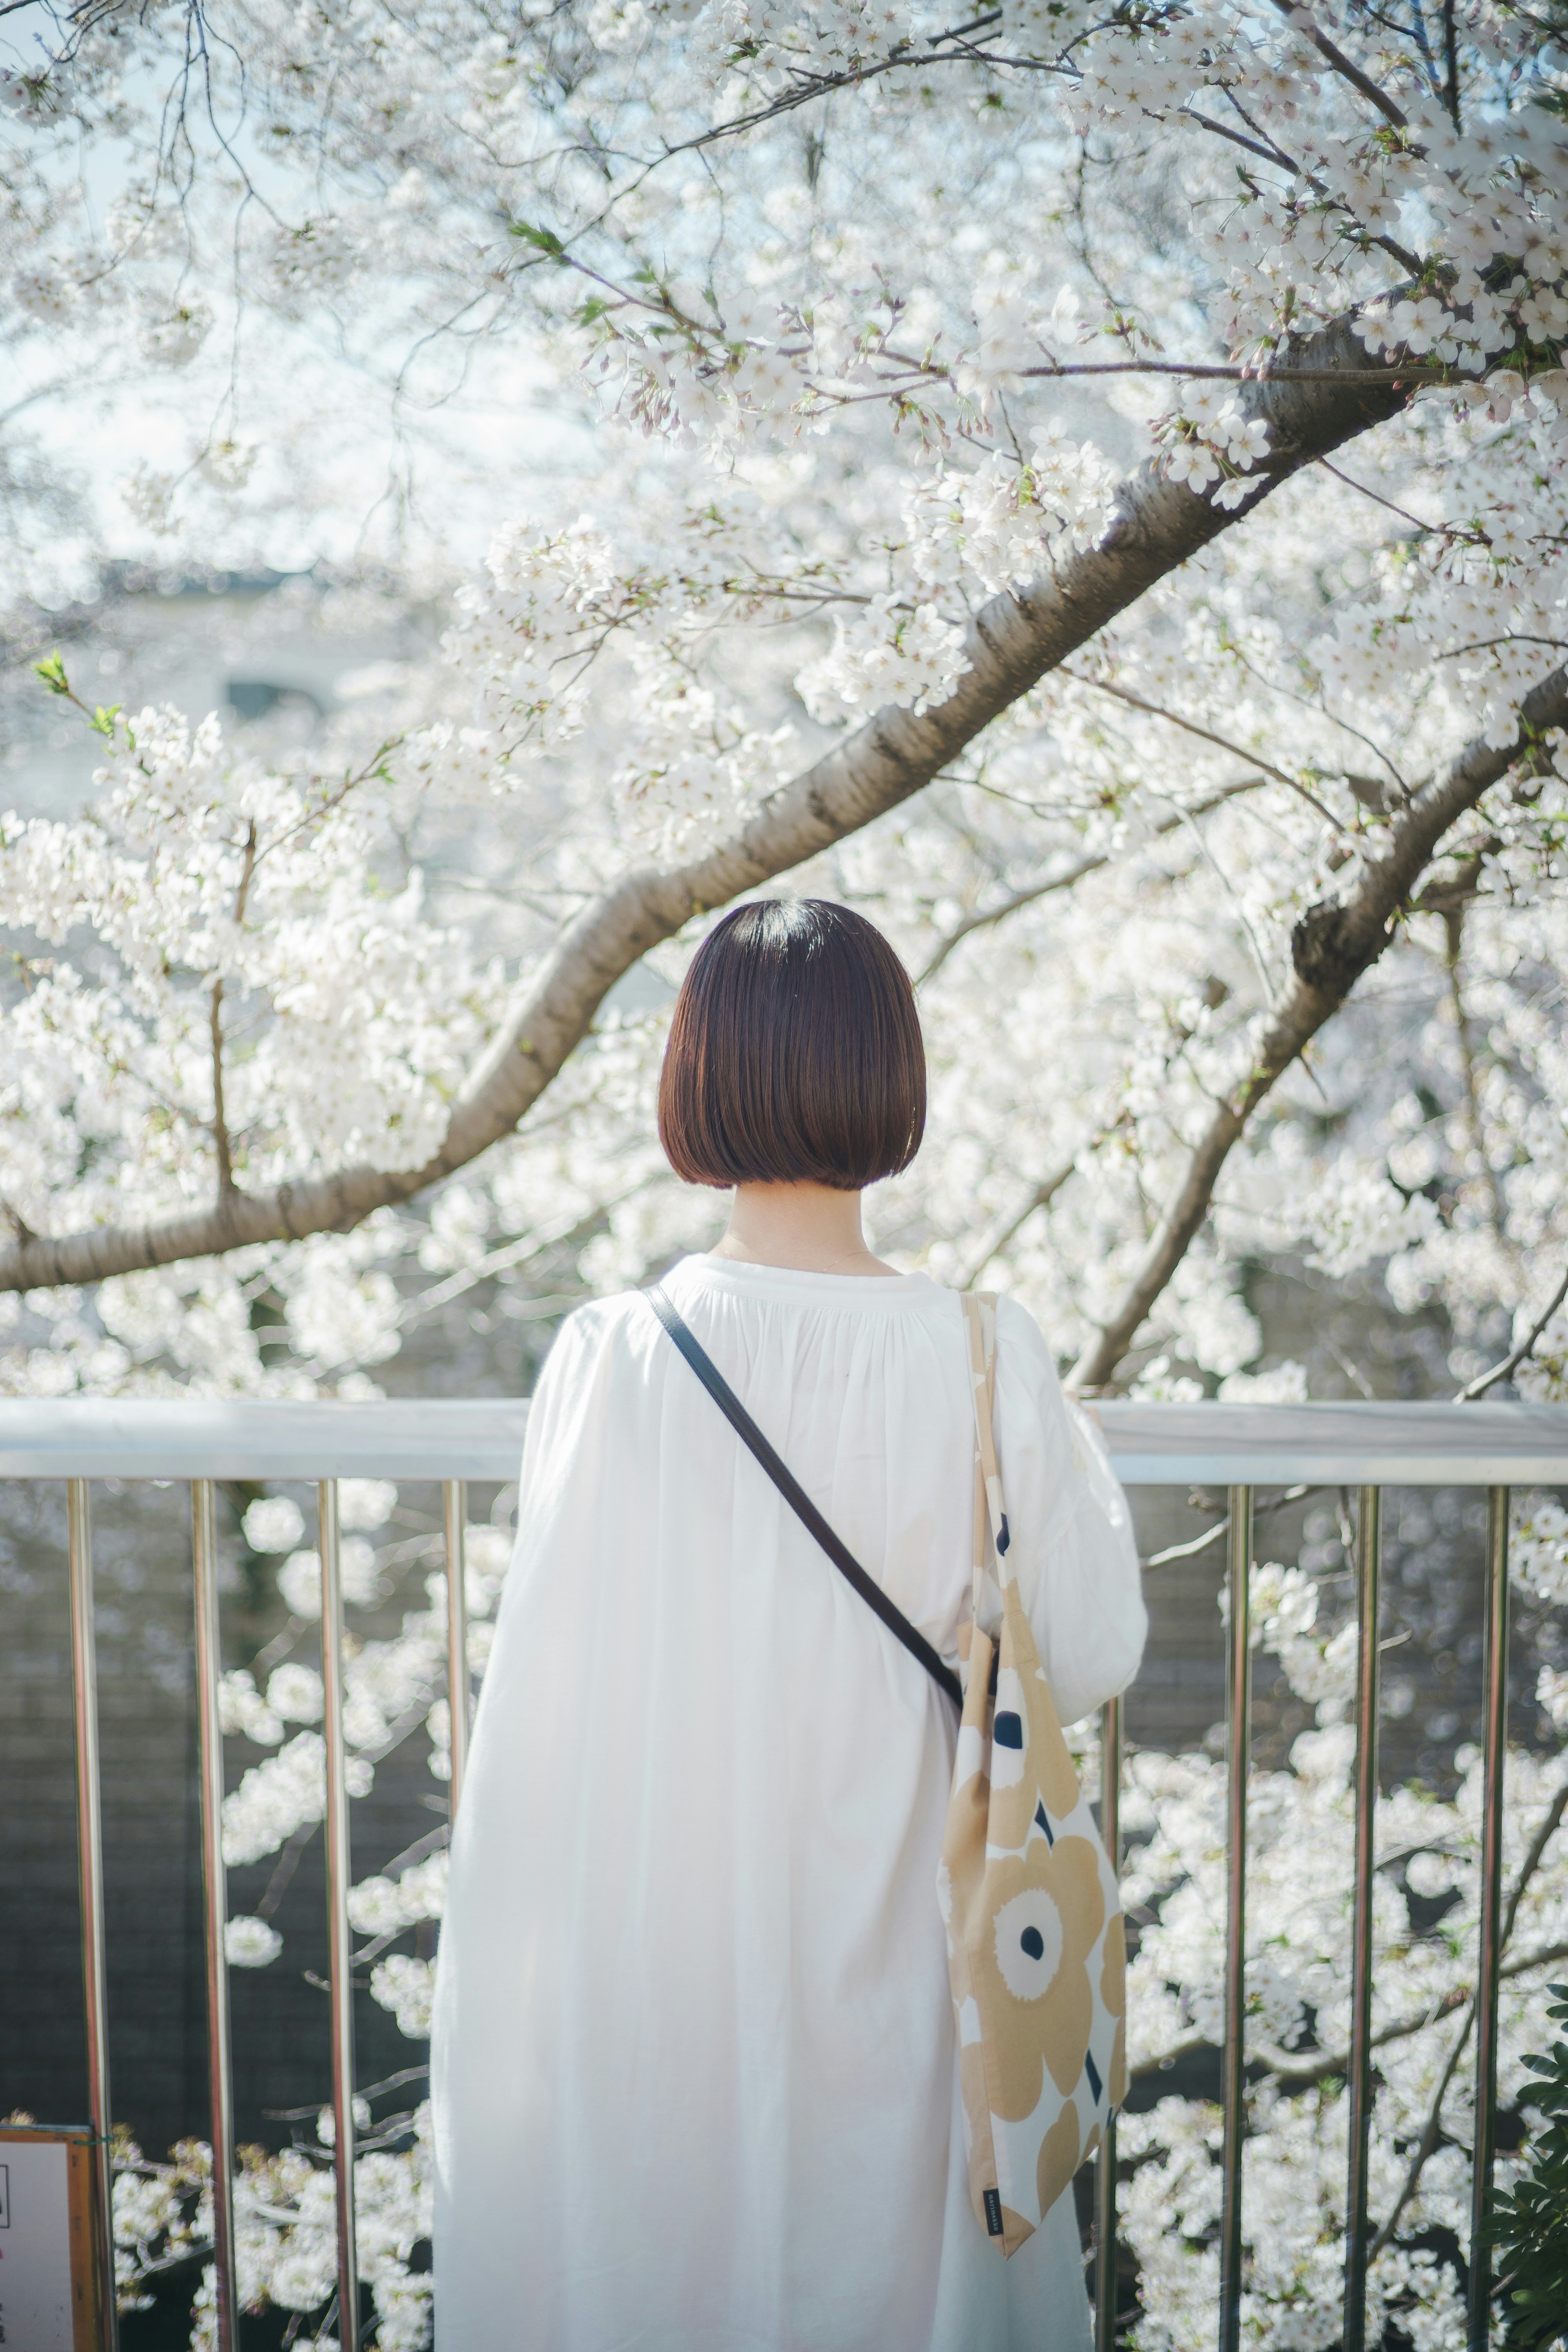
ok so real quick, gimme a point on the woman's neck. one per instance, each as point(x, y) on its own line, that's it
point(807, 1228)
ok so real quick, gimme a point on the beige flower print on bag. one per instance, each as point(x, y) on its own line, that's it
point(1035, 1950)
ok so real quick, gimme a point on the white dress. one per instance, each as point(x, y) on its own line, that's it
point(694, 2074)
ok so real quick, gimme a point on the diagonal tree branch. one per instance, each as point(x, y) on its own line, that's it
point(1331, 946)
point(1546, 1829)
point(1156, 525)
point(1298, 2070)
point(1511, 1362)
point(1012, 1220)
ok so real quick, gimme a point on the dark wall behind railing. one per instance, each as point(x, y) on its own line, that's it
point(141, 1548)
point(151, 1854)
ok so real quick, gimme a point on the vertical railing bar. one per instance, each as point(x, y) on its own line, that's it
point(1238, 1751)
point(89, 1864)
point(455, 1501)
point(215, 1901)
point(1494, 1752)
point(339, 1943)
point(1105, 2168)
point(1369, 1564)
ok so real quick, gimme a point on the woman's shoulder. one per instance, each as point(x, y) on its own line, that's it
point(601, 1323)
point(589, 1343)
point(1026, 1360)
point(1018, 1333)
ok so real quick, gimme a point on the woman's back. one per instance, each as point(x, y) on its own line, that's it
point(695, 2076)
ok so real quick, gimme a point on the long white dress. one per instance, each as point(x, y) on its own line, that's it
point(694, 2074)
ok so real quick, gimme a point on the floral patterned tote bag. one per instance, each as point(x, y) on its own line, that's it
point(1036, 1949)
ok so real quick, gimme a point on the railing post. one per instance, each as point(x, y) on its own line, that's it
point(455, 1502)
point(1369, 1552)
point(1494, 1753)
point(339, 1943)
point(89, 1865)
point(215, 1902)
point(1239, 1752)
point(1105, 2168)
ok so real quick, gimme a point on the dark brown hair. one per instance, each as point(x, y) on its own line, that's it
point(794, 1055)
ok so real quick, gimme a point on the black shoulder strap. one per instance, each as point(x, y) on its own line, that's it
point(795, 1495)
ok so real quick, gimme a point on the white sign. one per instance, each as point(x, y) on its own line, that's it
point(35, 2306)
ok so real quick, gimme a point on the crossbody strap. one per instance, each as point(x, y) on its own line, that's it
point(795, 1495)
point(991, 1537)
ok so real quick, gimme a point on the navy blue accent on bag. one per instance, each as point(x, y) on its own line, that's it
point(993, 2212)
point(801, 1504)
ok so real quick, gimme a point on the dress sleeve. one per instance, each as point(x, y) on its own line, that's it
point(1071, 1545)
point(565, 1401)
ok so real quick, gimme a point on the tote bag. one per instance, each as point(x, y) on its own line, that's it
point(1036, 1953)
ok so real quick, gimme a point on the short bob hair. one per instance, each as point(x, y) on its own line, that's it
point(794, 1055)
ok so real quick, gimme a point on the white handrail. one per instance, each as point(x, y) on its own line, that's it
point(239, 1437)
point(481, 1438)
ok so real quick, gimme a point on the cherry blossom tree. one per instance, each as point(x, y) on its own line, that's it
point(858, 440)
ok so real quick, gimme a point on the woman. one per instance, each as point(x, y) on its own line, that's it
point(695, 2076)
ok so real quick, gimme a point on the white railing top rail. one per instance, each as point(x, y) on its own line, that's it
point(482, 1437)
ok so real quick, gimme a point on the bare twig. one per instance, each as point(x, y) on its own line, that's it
point(1510, 1364)
point(1490, 645)
point(1345, 67)
point(1208, 735)
point(1211, 1535)
point(1011, 1222)
point(283, 1870)
point(1433, 2131)
point(1426, 529)
point(1091, 863)
point(1296, 2072)
point(222, 1144)
point(1454, 937)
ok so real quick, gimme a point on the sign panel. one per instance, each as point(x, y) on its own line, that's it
point(47, 2284)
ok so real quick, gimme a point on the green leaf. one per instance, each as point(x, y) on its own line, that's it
point(1529, 2221)
point(104, 720)
point(543, 239)
point(53, 673)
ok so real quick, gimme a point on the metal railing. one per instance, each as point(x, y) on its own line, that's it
point(1239, 1447)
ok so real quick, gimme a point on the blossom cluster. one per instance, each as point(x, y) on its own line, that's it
point(286, 2228)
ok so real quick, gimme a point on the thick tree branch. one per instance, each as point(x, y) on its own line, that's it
point(1331, 947)
point(1157, 524)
